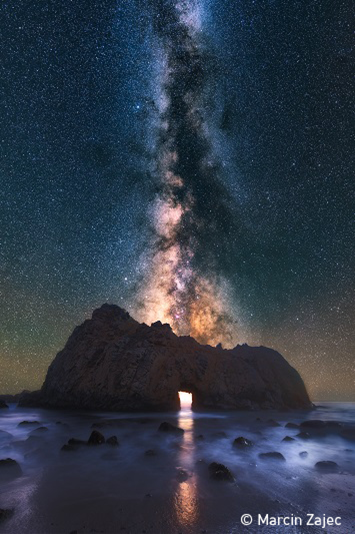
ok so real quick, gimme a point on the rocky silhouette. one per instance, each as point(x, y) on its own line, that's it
point(112, 362)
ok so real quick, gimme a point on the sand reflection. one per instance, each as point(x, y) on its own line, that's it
point(186, 503)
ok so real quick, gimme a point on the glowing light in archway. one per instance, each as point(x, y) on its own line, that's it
point(185, 399)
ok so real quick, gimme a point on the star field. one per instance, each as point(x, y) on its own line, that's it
point(80, 89)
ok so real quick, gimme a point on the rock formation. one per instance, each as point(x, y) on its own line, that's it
point(112, 362)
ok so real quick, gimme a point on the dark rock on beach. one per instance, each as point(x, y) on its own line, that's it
point(292, 425)
point(112, 362)
point(168, 427)
point(96, 438)
point(242, 443)
point(181, 474)
point(113, 441)
point(28, 423)
point(327, 465)
point(67, 447)
point(313, 424)
point(348, 433)
point(303, 435)
point(220, 472)
point(9, 469)
point(272, 456)
point(272, 422)
point(5, 513)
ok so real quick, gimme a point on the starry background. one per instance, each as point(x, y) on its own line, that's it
point(77, 122)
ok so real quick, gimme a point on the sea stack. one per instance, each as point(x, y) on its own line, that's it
point(112, 362)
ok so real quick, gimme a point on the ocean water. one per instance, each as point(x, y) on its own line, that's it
point(122, 489)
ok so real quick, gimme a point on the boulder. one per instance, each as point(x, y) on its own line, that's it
point(3, 404)
point(327, 465)
point(112, 362)
point(96, 438)
point(220, 472)
point(5, 513)
point(348, 433)
point(292, 425)
point(288, 438)
point(67, 448)
point(272, 422)
point(113, 441)
point(181, 474)
point(28, 423)
point(168, 427)
point(242, 443)
point(272, 456)
point(303, 454)
point(315, 424)
point(303, 435)
point(9, 469)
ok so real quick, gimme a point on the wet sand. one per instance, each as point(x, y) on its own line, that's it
point(122, 489)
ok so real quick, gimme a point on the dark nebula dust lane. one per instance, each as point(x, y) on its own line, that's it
point(184, 284)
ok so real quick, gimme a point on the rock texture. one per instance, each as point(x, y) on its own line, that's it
point(112, 362)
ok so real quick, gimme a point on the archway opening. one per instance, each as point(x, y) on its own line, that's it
point(185, 399)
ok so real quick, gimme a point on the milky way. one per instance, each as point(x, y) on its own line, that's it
point(190, 205)
point(189, 161)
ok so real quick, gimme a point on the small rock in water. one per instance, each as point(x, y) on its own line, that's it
point(303, 435)
point(5, 513)
point(96, 438)
point(28, 423)
point(291, 425)
point(334, 424)
point(288, 438)
point(272, 455)
point(181, 474)
point(66, 447)
point(272, 422)
point(242, 442)
point(327, 465)
point(9, 468)
point(303, 454)
point(3, 404)
point(113, 441)
point(313, 423)
point(200, 437)
point(348, 433)
point(40, 429)
point(168, 427)
point(220, 472)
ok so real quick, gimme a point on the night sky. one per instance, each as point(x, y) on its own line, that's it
point(191, 161)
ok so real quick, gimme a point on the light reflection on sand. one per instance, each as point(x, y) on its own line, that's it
point(186, 502)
